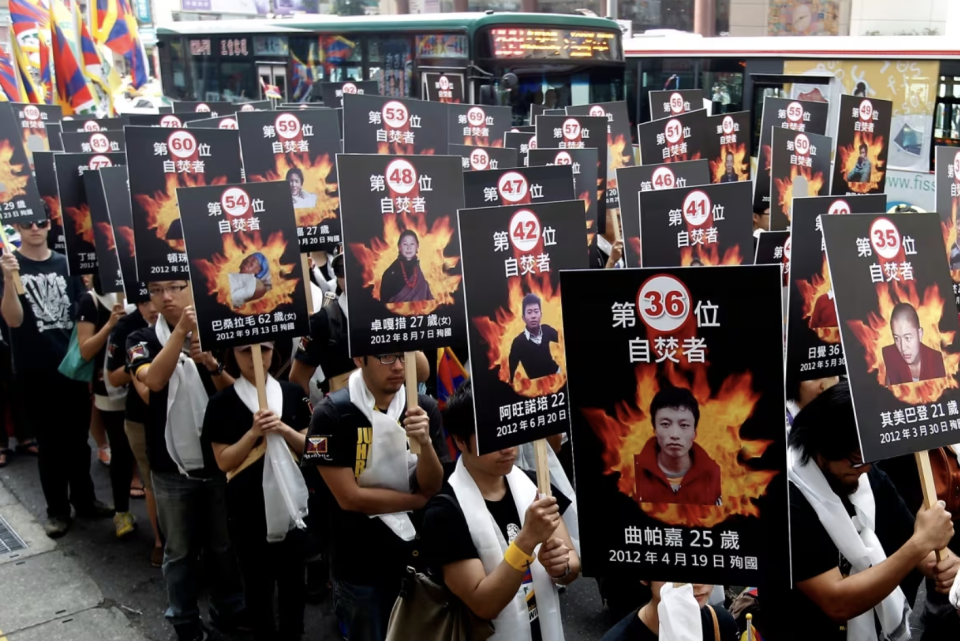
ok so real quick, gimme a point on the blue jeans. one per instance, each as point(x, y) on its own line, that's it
point(193, 517)
point(364, 610)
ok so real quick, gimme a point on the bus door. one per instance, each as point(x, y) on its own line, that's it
point(273, 73)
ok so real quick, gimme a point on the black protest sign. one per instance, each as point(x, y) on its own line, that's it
point(108, 263)
point(54, 132)
point(813, 334)
point(682, 137)
point(116, 191)
point(585, 178)
point(443, 87)
point(705, 225)
point(46, 179)
point(75, 211)
point(554, 112)
point(402, 251)
point(382, 125)
point(290, 106)
point(619, 150)
point(73, 124)
point(256, 105)
point(523, 141)
point(899, 328)
point(863, 142)
point(19, 201)
point(948, 199)
point(633, 180)
point(299, 148)
point(783, 113)
point(653, 354)
point(478, 125)
point(33, 120)
point(484, 158)
point(773, 248)
point(332, 93)
point(535, 110)
point(579, 132)
point(223, 122)
point(730, 161)
point(518, 186)
point(98, 142)
point(248, 281)
point(169, 120)
point(209, 109)
point(512, 257)
point(161, 161)
point(800, 167)
point(674, 103)
point(527, 129)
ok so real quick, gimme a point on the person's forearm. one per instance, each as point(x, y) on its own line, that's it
point(142, 390)
point(233, 455)
point(295, 440)
point(301, 373)
point(90, 347)
point(119, 377)
point(429, 471)
point(223, 381)
point(373, 500)
point(165, 364)
point(495, 591)
point(10, 307)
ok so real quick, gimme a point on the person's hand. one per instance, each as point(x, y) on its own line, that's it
point(539, 524)
point(417, 425)
point(945, 572)
point(933, 528)
point(554, 556)
point(265, 422)
point(9, 264)
point(188, 320)
point(616, 253)
point(116, 314)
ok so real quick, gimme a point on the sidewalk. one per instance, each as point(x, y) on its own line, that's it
point(46, 595)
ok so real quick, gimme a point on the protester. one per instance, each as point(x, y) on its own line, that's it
point(41, 322)
point(238, 434)
point(361, 451)
point(856, 550)
point(189, 487)
point(676, 609)
point(607, 251)
point(135, 408)
point(505, 567)
point(800, 393)
point(98, 314)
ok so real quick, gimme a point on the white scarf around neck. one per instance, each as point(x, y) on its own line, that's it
point(513, 623)
point(389, 463)
point(862, 549)
point(527, 460)
point(679, 615)
point(186, 405)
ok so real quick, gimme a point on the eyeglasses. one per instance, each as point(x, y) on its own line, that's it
point(170, 289)
point(855, 464)
point(390, 359)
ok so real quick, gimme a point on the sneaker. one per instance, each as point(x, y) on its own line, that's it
point(105, 455)
point(156, 557)
point(124, 522)
point(56, 526)
point(96, 510)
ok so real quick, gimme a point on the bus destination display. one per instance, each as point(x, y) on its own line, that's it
point(517, 43)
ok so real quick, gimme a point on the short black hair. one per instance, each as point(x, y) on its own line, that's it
point(863, 146)
point(678, 398)
point(408, 232)
point(231, 367)
point(530, 299)
point(826, 426)
point(905, 310)
point(458, 418)
point(294, 171)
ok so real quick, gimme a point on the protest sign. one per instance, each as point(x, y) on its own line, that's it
point(248, 283)
point(523, 141)
point(773, 248)
point(478, 125)
point(633, 180)
point(705, 225)
point(800, 167)
point(54, 132)
point(332, 93)
point(19, 201)
point(948, 198)
point(670, 346)
point(383, 125)
point(444, 87)
point(256, 105)
point(484, 158)
point(299, 148)
point(619, 152)
point(518, 186)
point(211, 109)
point(170, 121)
point(108, 262)
point(160, 161)
point(585, 164)
point(46, 180)
point(676, 138)
point(223, 122)
point(402, 251)
point(730, 161)
point(863, 142)
point(579, 132)
point(73, 124)
point(32, 121)
point(675, 102)
point(511, 261)
point(98, 142)
point(116, 192)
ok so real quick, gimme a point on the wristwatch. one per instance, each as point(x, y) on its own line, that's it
point(218, 371)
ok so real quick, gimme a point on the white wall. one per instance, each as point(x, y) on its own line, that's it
point(891, 17)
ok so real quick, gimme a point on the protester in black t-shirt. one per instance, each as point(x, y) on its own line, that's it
point(238, 436)
point(361, 451)
point(643, 624)
point(41, 322)
point(855, 548)
point(135, 408)
point(189, 487)
point(532, 348)
point(508, 574)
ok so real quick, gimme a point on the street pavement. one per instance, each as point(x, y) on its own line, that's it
point(88, 586)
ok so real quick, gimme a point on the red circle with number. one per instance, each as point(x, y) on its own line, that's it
point(170, 121)
point(182, 144)
point(248, 107)
point(401, 176)
point(956, 167)
point(563, 158)
point(839, 208)
point(93, 125)
point(727, 125)
point(32, 112)
point(663, 178)
point(444, 83)
point(348, 87)
point(99, 162)
point(597, 112)
point(288, 126)
point(885, 238)
point(794, 112)
point(99, 143)
point(479, 160)
point(571, 128)
point(676, 103)
point(786, 248)
point(696, 208)
point(802, 144)
point(533, 142)
point(512, 187)
point(202, 108)
point(228, 123)
point(673, 131)
point(395, 114)
point(235, 202)
point(524, 230)
point(476, 116)
point(866, 110)
point(664, 303)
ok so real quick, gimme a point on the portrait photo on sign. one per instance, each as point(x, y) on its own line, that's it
point(19, 199)
point(683, 434)
point(33, 121)
point(948, 205)
point(863, 143)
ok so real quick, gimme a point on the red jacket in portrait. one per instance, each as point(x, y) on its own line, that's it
point(700, 485)
point(898, 372)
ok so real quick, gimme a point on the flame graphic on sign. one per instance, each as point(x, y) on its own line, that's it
point(616, 158)
point(949, 230)
point(741, 163)
point(236, 247)
point(810, 292)
point(107, 232)
point(162, 210)
point(127, 234)
point(847, 158)
point(721, 416)
point(82, 222)
point(876, 334)
point(53, 202)
point(13, 182)
point(499, 332)
point(785, 187)
point(401, 149)
point(436, 266)
point(315, 173)
point(710, 255)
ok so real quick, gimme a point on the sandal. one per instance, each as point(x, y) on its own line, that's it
point(137, 492)
point(30, 448)
point(5, 455)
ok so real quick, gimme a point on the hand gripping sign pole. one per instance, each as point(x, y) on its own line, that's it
point(260, 380)
point(543, 466)
point(16, 275)
point(410, 372)
point(929, 489)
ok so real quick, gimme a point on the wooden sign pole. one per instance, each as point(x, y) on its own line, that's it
point(929, 488)
point(259, 377)
point(17, 283)
point(305, 263)
point(410, 384)
point(543, 466)
point(121, 299)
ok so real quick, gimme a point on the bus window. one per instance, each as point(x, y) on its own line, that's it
point(760, 93)
point(177, 86)
point(206, 79)
point(390, 61)
point(657, 74)
point(559, 90)
point(946, 117)
point(238, 83)
point(722, 83)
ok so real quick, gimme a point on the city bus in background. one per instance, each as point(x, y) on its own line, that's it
point(512, 59)
point(921, 75)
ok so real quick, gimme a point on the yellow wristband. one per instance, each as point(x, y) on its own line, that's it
point(517, 558)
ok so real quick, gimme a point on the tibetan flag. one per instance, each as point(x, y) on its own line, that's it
point(304, 75)
point(73, 92)
point(450, 375)
point(115, 26)
point(101, 77)
point(339, 48)
point(10, 80)
point(31, 40)
point(272, 92)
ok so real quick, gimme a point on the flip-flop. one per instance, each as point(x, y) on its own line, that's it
point(5, 455)
point(30, 448)
point(137, 492)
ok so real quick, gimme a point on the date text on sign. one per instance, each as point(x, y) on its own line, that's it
point(395, 114)
point(524, 230)
point(696, 208)
point(885, 238)
point(288, 126)
point(664, 303)
point(512, 187)
point(401, 176)
point(182, 144)
point(235, 202)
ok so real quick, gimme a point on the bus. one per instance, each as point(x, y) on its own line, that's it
point(515, 59)
point(921, 75)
